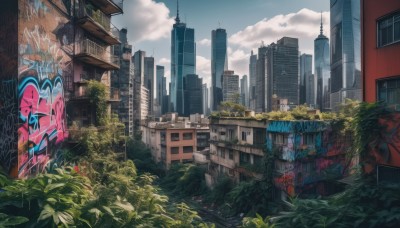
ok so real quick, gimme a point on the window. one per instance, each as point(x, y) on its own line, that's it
point(231, 154)
point(230, 134)
point(174, 150)
point(187, 136)
point(389, 30)
point(280, 139)
point(222, 133)
point(222, 153)
point(244, 136)
point(244, 158)
point(389, 92)
point(174, 136)
point(187, 149)
point(309, 139)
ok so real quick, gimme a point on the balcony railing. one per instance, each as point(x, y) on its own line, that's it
point(96, 15)
point(110, 7)
point(89, 47)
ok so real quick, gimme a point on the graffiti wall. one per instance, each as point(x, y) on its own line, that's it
point(43, 65)
point(8, 85)
point(308, 152)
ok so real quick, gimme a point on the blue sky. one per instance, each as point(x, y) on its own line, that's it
point(248, 22)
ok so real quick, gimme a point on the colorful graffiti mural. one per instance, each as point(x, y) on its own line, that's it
point(308, 152)
point(42, 123)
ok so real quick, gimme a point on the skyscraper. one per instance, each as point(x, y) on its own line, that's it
point(252, 75)
point(244, 91)
point(140, 91)
point(282, 78)
point(306, 83)
point(149, 81)
point(261, 80)
point(219, 63)
point(193, 94)
point(345, 51)
point(161, 89)
point(322, 71)
point(183, 62)
point(205, 99)
point(230, 86)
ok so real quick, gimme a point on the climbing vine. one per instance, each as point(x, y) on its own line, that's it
point(97, 94)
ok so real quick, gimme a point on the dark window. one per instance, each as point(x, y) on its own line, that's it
point(187, 136)
point(244, 136)
point(222, 133)
point(174, 150)
point(389, 92)
point(389, 30)
point(174, 136)
point(231, 154)
point(187, 149)
point(280, 139)
point(244, 158)
point(309, 139)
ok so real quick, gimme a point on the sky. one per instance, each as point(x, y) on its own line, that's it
point(248, 23)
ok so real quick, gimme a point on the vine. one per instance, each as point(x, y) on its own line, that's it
point(97, 93)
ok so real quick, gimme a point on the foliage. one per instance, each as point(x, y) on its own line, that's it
point(363, 205)
point(220, 191)
point(257, 222)
point(229, 108)
point(185, 179)
point(97, 93)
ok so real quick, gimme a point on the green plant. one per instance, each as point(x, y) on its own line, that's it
point(257, 222)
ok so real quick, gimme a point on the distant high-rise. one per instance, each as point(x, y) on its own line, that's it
point(244, 91)
point(183, 62)
point(193, 94)
point(230, 86)
point(205, 99)
point(283, 71)
point(140, 91)
point(322, 71)
point(161, 89)
point(219, 63)
point(306, 84)
point(252, 75)
point(261, 80)
point(345, 51)
point(149, 81)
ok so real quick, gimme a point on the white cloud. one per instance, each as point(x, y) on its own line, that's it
point(205, 42)
point(238, 60)
point(145, 20)
point(303, 25)
point(203, 69)
point(164, 62)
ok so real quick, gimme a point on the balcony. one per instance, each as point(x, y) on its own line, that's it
point(110, 7)
point(92, 53)
point(96, 23)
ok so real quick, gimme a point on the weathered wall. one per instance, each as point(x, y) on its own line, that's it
point(45, 38)
point(8, 85)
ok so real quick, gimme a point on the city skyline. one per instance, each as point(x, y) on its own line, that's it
point(300, 20)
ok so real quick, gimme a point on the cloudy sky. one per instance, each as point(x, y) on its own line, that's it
point(247, 22)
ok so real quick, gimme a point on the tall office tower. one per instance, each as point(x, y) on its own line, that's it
point(159, 89)
point(283, 71)
point(345, 51)
point(219, 63)
point(230, 86)
point(149, 69)
point(183, 62)
point(253, 76)
point(306, 84)
point(193, 94)
point(244, 91)
point(205, 99)
point(261, 82)
point(140, 91)
point(322, 71)
point(122, 82)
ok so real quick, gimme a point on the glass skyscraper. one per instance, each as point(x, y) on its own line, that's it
point(219, 63)
point(307, 92)
point(183, 62)
point(322, 71)
point(345, 51)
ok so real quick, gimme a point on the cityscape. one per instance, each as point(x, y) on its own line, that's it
point(168, 113)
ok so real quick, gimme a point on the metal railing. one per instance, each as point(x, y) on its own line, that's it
point(97, 15)
point(90, 47)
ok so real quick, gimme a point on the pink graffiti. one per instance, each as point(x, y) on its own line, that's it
point(42, 118)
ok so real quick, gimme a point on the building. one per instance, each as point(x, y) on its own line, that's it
point(306, 84)
point(206, 107)
point(183, 62)
point(48, 53)
point(282, 77)
point(122, 80)
point(236, 148)
point(322, 72)
point(149, 74)
point(244, 91)
point(175, 139)
point(345, 51)
point(381, 79)
point(219, 64)
point(310, 155)
point(141, 94)
point(193, 94)
point(262, 81)
point(230, 86)
point(161, 91)
point(311, 90)
point(253, 78)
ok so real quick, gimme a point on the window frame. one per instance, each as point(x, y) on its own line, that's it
point(187, 133)
point(185, 152)
point(172, 138)
point(174, 148)
point(378, 30)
